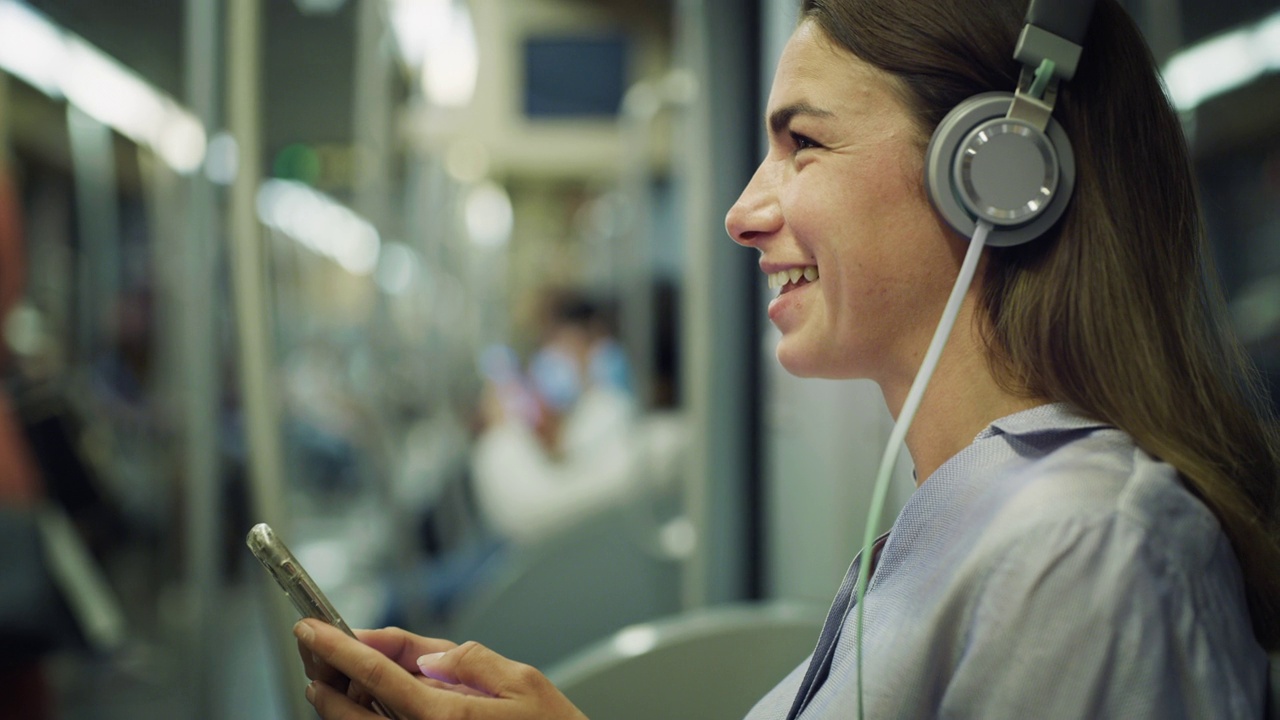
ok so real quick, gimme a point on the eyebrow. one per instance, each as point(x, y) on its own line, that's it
point(779, 119)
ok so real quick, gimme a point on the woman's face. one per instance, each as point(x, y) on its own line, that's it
point(840, 199)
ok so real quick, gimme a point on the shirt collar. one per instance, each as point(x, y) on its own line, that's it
point(1048, 418)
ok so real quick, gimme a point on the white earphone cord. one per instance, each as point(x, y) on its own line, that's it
point(899, 434)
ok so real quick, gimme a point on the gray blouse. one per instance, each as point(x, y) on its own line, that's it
point(1049, 570)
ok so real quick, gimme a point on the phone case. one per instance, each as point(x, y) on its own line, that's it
point(298, 585)
point(292, 577)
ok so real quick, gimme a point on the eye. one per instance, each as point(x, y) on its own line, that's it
point(802, 142)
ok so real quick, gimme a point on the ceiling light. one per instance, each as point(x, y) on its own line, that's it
point(1223, 63)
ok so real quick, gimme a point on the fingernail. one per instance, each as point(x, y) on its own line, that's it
point(303, 632)
point(429, 659)
point(311, 693)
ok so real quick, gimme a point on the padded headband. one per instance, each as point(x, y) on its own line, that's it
point(1068, 19)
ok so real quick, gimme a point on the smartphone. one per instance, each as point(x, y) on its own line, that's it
point(299, 587)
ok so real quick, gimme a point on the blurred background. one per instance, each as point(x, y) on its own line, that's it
point(440, 290)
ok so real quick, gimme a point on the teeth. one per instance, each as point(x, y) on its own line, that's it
point(783, 278)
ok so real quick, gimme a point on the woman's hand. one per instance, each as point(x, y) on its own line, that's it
point(401, 646)
point(423, 679)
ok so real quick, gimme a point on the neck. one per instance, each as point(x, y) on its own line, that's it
point(962, 398)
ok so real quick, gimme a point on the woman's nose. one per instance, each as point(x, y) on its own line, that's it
point(756, 213)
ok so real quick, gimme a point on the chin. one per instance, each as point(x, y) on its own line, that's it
point(810, 360)
point(809, 364)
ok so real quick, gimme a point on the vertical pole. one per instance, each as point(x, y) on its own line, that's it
point(631, 267)
point(198, 356)
point(696, 311)
point(252, 302)
point(371, 113)
point(719, 364)
point(98, 228)
point(1162, 26)
point(4, 116)
point(371, 140)
point(248, 265)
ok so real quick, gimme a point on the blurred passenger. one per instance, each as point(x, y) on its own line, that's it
point(580, 450)
point(554, 445)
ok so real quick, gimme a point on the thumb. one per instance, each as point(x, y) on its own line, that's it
point(480, 668)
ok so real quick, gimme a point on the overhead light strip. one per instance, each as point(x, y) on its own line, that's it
point(1223, 63)
point(320, 223)
point(63, 65)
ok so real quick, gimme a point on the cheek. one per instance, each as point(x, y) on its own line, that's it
point(860, 199)
point(827, 219)
point(882, 268)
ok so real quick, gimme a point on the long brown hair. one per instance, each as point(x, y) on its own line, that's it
point(1117, 311)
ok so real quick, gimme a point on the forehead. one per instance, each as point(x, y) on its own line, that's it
point(817, 72)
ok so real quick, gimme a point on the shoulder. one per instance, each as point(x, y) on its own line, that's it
point(1056, 555)
point(1048, 484)
point(1101, 493)
point(1100, 534)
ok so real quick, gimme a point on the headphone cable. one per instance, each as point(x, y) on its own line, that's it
point(967, 269)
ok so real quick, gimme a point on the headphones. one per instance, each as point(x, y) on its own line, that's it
point(1000, 170)
point(1001, 157)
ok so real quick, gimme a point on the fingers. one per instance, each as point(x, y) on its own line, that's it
point(319, 670)
point(402, 646)
point(308, 661)
point(480, 682)
point(520, 690)
point(357, 695)
point(478, 667)
point(333, 705)
point(370, 670)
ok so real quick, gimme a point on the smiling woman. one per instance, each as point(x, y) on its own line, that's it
point(841, 192)
point(1096, 514)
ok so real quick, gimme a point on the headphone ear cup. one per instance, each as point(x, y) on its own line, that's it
point(981, 164)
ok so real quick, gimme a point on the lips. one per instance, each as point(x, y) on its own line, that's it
point(791, 298)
